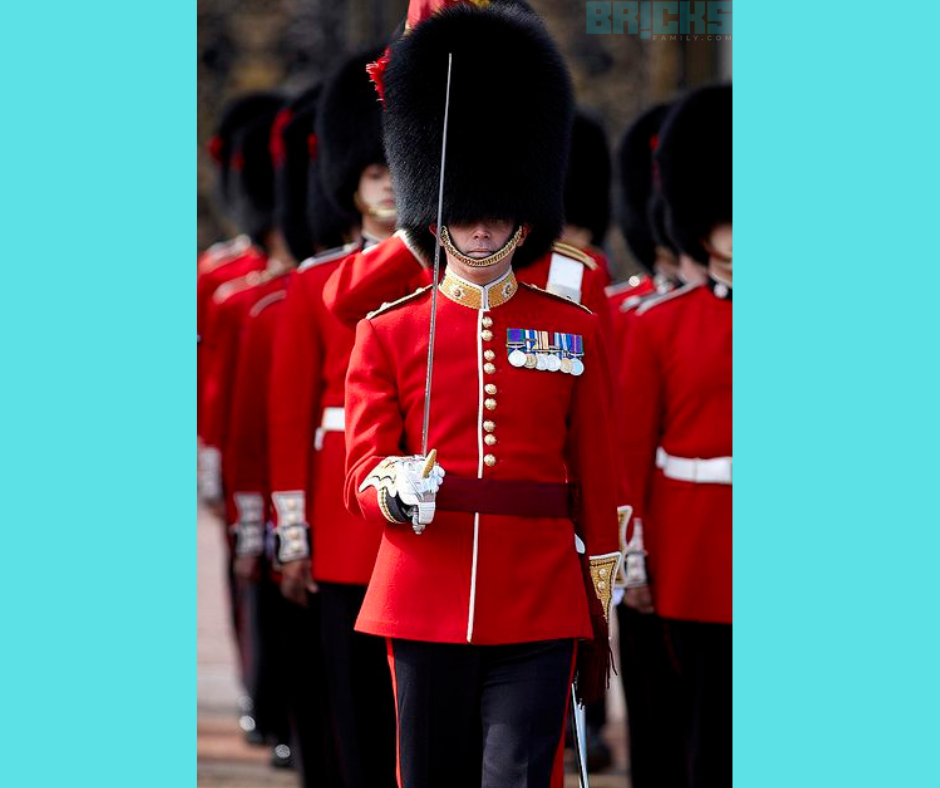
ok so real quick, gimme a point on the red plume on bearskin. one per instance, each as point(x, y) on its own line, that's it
point(420, 10)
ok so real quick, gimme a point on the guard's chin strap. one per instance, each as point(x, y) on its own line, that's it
point(481, 262)
point(382, 214)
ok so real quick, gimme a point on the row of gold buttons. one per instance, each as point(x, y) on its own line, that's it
point(489, 389)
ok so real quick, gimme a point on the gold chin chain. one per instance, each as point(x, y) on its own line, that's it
point(482, 262)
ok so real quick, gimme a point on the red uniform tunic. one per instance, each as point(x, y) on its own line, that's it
point(214, 271)
point(310, 362)
point(676, 371)
point(226, 321)
point(246, 452)
point(481, 578)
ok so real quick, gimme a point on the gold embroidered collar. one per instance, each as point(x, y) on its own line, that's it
point(474, 296)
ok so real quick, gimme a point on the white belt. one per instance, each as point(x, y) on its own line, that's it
point(334, 420)
point(716, 470)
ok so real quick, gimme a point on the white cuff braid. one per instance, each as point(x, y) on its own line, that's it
point(249, 527)
point(292, 530)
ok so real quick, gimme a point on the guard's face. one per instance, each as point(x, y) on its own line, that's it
point(375, 189)
point(481, 239)
point(691, 271)
point(719, 243)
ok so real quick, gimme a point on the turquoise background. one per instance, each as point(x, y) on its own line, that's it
point(837, 403)
point(98, 588)
point(836, 425)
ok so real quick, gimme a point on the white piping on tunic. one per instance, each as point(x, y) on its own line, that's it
point(476, 516)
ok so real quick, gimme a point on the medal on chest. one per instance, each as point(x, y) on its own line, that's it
point(545, 351)
point(515, 342)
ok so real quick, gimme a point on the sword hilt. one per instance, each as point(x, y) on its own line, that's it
point(429, 464)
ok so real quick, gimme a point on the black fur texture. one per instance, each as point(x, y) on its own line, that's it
point(237, 113)
point(587, 186)
point(694, 157)
point(637, 208)
point(349, 129)
point(509, 128)
point(253, 176)
point(290, 175)
point(656, 216)
point(330, 226)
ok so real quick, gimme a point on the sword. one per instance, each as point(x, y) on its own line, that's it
point(578, 719)
point(437, 269)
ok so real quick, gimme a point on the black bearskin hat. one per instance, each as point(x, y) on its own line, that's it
point(656, 216)
point(290, 149)
point(349, 129)
point(253, 176)
point(641, 205)
point(236, 114)
point(511, 110)
point(330, 226)
point(587, 186)
point(694, 158)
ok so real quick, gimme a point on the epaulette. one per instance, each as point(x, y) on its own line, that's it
point(636, 301)
point(390, 304)
point(620, 287)
point(235, 286)
point(223, 252)
point(557, 297)
point(329, 255)
point(264, 303)
point(661, 298)
point(412, 247)
point(576, 254)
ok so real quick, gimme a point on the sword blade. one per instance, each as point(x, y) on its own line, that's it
point(580, 745)
point(437, 269)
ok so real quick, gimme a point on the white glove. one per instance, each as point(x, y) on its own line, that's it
point(416, 490)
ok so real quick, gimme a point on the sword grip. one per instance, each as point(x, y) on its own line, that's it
point(429, 463)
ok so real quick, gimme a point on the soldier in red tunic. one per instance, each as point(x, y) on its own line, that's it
point(676, 370)
point(649, 677)
point(307, 441)
point(224, 261)
point(230, 429)
point(291, 637)
point(478, 586)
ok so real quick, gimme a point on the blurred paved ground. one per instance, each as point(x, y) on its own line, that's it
point(223, 757)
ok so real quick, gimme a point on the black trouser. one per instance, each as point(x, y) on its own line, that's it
point(480, 716)
point(703, 652)
point(654, 702)
point(360, 690)
point(265, 609)
point(240, 634)
point(303, 674)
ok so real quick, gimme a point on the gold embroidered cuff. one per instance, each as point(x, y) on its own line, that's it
point(603, 571)
point(383, 478)
point(624, 513)
point(383, 506)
